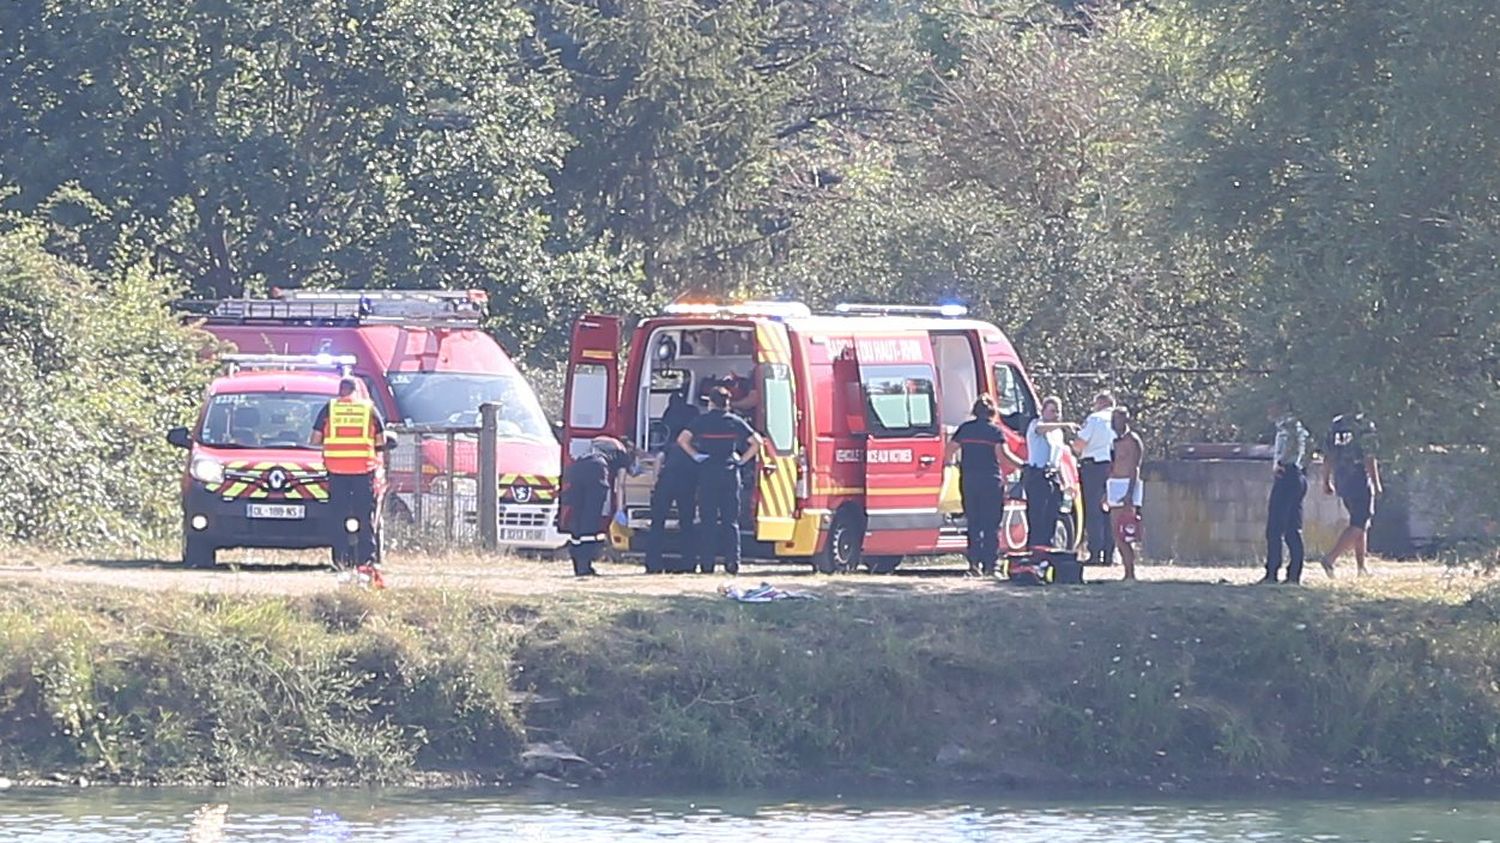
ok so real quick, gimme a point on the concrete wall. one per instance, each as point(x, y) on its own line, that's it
point(1215, 511)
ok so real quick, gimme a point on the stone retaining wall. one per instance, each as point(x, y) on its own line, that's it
point(1215, 511)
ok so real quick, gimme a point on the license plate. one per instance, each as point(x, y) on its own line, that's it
point(522, 534)
point(277, 511)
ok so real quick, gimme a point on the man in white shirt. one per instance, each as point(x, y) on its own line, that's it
point(1040, 477)
point(1095, 440)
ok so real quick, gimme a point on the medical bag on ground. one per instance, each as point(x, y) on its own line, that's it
point(1045, 568)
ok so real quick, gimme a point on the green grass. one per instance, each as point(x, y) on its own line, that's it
point(1192, 683)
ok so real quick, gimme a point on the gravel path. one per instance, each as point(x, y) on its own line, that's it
point(291, 573)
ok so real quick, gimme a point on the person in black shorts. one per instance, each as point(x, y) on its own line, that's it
point(981, 485)
point(1350, 467)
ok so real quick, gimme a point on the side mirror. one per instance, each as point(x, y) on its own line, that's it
point(179, 437)
point(558, 430)
point(391, 441)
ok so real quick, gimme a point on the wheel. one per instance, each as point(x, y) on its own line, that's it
point(1065, 537)
point(882, 564)
point(197, 552)
point(846, 537)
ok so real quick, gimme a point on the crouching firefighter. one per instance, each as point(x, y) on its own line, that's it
point(352, 436)
point(589, 499)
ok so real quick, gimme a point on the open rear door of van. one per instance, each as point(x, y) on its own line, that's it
point(775, 492)
point(591, 400)
point(904, 447)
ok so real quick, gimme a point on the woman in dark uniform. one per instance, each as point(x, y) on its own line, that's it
point(981, 486)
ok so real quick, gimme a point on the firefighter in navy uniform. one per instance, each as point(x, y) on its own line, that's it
point(1351, 469)
point(676, 488)
point(977, 444)
point(587, 501)
point(352, 436)
point(721, 442)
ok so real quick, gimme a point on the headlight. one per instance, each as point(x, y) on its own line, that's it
point(206, 470)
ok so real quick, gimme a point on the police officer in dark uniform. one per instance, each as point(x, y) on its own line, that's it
point(587, 501)
point(977, 443)
point(721, 442)
point(1350, 468)
point(1288, 489)
point(676, 488)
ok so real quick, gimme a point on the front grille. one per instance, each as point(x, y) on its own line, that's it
point(525, 518)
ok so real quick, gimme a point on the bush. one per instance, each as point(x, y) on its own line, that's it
point(93, 369)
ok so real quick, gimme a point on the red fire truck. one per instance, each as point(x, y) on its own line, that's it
point(855, 407)
point(426, 364)
point(253, 478)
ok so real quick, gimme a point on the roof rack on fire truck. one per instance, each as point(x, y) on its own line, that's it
point(340, 364)
point(434, 308)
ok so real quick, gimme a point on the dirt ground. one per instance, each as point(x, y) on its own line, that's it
point(272, 572)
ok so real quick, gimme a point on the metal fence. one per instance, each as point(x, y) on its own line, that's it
point(446, 491)
point(434, 487)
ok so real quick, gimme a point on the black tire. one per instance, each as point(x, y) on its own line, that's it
point(198, 552)
point(882, 564)
point(1065, 537)
point(846, 538)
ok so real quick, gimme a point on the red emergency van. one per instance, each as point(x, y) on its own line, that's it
point(855, 407)
point(253, 478)
point(426, 363)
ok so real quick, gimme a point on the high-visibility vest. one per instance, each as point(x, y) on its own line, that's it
point(349, 439)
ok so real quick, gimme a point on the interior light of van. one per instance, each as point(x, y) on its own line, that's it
point(207, 470)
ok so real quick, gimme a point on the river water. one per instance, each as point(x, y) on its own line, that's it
point(112, 815)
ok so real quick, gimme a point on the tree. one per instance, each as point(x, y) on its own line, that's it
point(291, 142)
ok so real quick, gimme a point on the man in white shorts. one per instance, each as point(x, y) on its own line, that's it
point(1123, 492)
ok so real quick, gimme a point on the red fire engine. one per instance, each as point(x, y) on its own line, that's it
point(855, 407)
point(426, 363)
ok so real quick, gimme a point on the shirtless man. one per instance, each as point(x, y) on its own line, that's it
point(1123, 494)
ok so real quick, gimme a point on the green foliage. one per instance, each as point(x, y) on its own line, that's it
point(298, 142)
point(1063, 686)
point(1197, 203)
point(210, 690)
point(93, 370)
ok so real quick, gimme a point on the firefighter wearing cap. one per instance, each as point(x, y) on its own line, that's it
point(587, 501)
point(721, 442)
point(352, 437)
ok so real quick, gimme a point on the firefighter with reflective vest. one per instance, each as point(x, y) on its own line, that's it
point(352, 437)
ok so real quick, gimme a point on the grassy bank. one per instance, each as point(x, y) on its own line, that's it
point(1186, 684)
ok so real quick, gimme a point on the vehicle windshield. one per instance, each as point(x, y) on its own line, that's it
point(262, 419)
point(452, 398)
